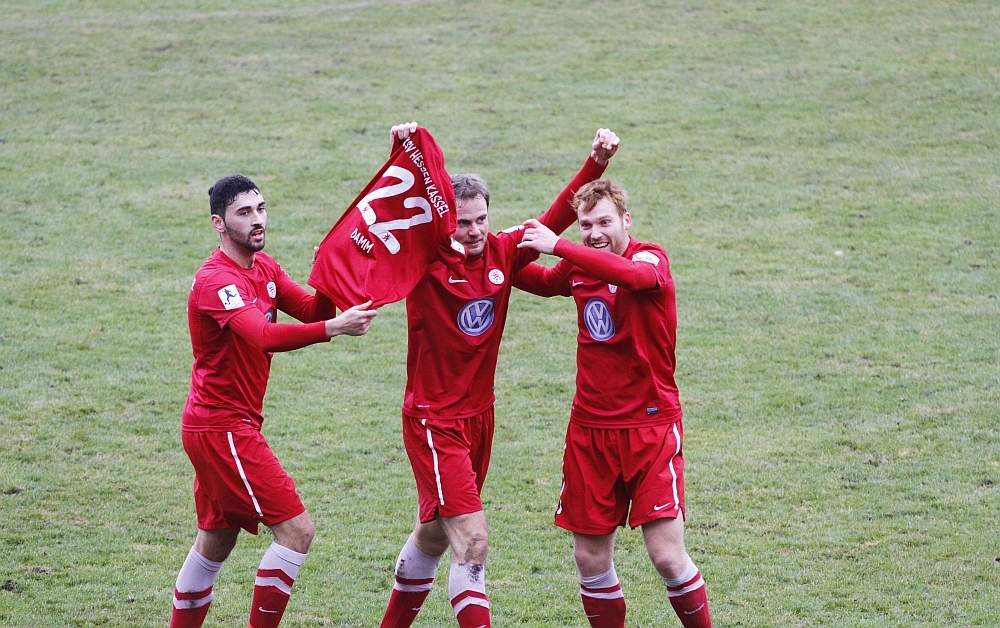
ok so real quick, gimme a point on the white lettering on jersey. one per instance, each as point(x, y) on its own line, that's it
point(361, 241)
point(272, 290)
point(496, 276)
point(230, 297)
point(382, 230)
point(646, 256)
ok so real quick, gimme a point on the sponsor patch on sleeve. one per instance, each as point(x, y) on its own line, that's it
point(646, 256)
point(230, 297)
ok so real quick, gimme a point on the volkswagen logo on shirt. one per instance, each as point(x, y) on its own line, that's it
point(477, 316)
point(597, 318)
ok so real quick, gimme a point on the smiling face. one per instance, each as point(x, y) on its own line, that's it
point(245, 221)
point(473, 224)
point(603, 227)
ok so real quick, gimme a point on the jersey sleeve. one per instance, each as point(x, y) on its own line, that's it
point(222, 295)
point(250, 325)
point(542, 281)
point(296, 301)
point(560, 214)
point(646, 270)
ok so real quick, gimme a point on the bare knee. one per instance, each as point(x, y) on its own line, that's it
point(594, 555)
point(670, 562)
point(216, 545)
point(475, 551)
point(430, 538)
point(296, 533)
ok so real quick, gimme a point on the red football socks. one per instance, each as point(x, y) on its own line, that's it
point(603, 600)
point(414, 578)
point(193, 591)
point(689, 598)
point(275, 577)
point(467, 590)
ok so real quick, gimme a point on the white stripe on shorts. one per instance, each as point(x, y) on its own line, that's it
point(239, 467)
point(673, 473)
point(434, 453)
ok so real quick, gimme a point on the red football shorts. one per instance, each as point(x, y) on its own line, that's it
point(238, 481)
point(606, 470)
point(449, 458)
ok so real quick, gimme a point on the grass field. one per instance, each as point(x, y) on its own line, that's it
point(824, 175)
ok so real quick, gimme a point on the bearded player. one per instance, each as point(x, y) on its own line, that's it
point(623, 461)
point(232, 315)
point(454, 330)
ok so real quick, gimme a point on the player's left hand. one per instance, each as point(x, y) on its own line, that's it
point(605, 146)
point(539, 237)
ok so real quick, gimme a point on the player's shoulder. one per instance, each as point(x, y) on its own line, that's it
point(648, 252)
point(267, 263)
point(216, 273)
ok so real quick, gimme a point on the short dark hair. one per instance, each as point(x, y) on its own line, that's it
point(469, 186)
point(225, 191)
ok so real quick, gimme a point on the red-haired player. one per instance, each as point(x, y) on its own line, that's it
point(623, 461)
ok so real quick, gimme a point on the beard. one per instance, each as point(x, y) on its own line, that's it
point(245, 240)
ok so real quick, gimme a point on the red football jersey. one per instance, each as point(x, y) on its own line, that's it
point(229, 375)
point(455, 323)
point(625, 352)
point(384, 242)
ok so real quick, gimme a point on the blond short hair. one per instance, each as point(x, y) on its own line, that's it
point(587, 196)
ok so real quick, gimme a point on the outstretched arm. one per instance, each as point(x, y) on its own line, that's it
point(561, 213)
point(542, 281)
point(603, 265)
point(251, 325)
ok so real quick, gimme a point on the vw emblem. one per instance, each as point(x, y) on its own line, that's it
point(597, 318)
point(477, 316)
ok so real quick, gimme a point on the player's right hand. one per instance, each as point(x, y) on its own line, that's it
point(352, 322)
point(402, 131)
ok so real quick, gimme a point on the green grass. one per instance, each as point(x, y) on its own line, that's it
point(824, 176)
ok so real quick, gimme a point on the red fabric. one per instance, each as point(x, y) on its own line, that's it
point(474, 615)
point(612, 477)
point(253, 327)
point(403, 607)
point(625, 346)
point(221, 497)
point(449, 458)
point(455, 323)
point(692, 607)
point(230, 372)
point(602, 612)
point(402, 220)
point(269, 602)
point(609, 267)
point(190, 617)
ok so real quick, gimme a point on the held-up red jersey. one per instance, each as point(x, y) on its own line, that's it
point(232, 314)
point(455, 324)
point(627, 316)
